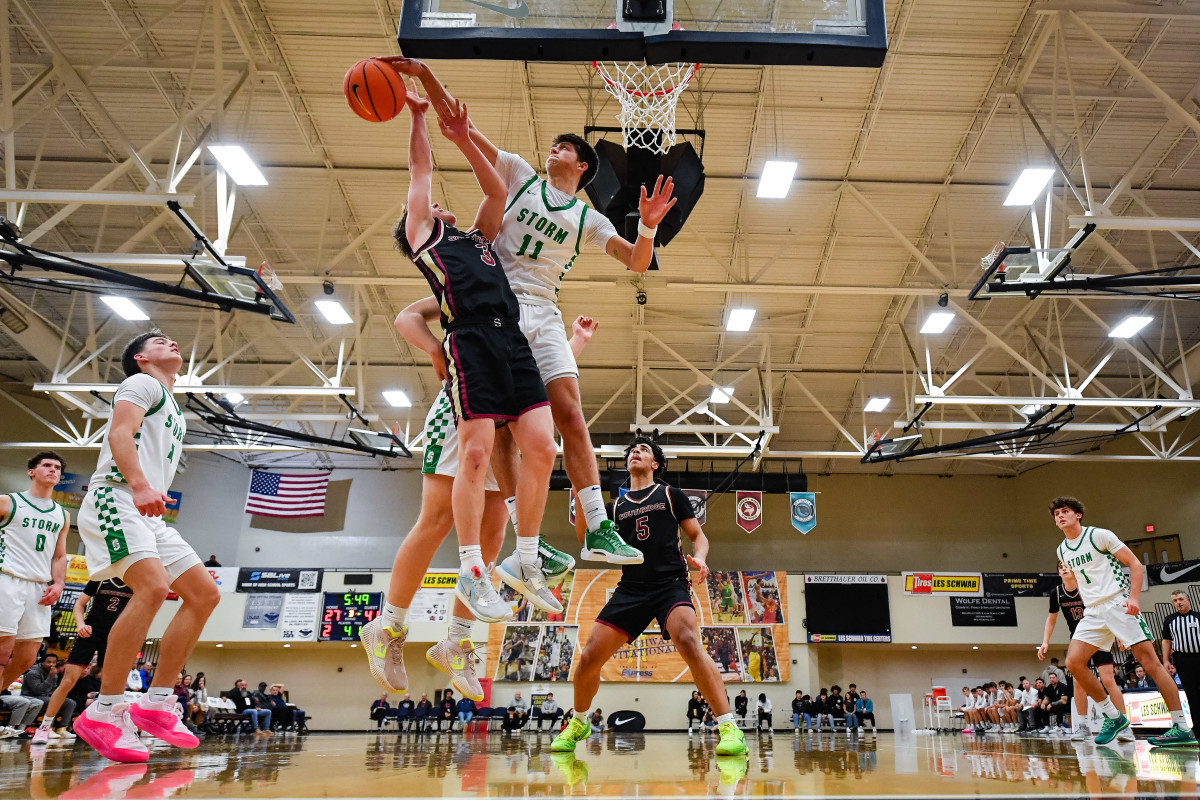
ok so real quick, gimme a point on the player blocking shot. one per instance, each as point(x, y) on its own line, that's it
point(125, 537)
point(1112, 612)
point(649, 517)
point(33, 564)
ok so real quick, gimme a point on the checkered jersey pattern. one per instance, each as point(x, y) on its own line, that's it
point(437, 425)
point(109, 518)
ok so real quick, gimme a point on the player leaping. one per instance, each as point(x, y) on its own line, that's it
point(543, 231)
point(1096, 556)
point(649, 517)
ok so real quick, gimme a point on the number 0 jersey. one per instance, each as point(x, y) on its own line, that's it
point(28, 537)
point(159, 440)
point(1099, 573)
point(648, 519)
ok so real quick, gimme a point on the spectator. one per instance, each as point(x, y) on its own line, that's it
point(512, 720)
point(849, 710)
point(741, 704)
point(198, 700)
point(40, 682)
point(261, 695)
point(820, 709)
point(1027, 697)
point(283, 713)
point(798, 711)
point(1053, 669)
point(1174, 674)
point(695, 711)
point(212, 561)
point(710, 722)
point(833, 705)
point(381, 709)
point(183, 690)
point(764, 712)
point(445, 710)
point(405, 709)
point(550, 711)
point(424, 709)
point(597, 721)
point(86, 688)
point(136, 680)
point(466, 711)
point(1058, 699)
point(245, 704)
point(866, 710)
point(1141, 680)
point(521, 707)
point(23, 712)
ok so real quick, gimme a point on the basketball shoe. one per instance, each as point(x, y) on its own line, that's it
point(1112, 726)
point(113, 780)
point(1174, 737)
point(554, 562)
point(733, 741)
point(577, 730)
point(475, 589)
point(605, 544)
point(732, 771)
point(112, 733)
point(384, 647)
point(457, 661)
point(574, 770)
point(163, 719)
point(529, 581)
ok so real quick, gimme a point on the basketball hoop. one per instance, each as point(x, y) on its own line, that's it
point(647, 94)
point(266, 271)
point(986, 261)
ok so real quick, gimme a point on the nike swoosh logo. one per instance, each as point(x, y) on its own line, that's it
point(1167, 577)
point(623, 721)
point(354, 91)
point(519, 12)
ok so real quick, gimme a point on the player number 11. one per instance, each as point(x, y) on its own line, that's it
point(537, 247)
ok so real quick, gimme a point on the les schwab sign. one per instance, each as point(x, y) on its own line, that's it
point(944, 584)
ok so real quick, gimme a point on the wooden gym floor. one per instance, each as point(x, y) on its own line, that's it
point(607, 765)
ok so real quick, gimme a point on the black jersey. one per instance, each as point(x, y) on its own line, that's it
point(466, 277)
point(109, 599)
point(1070, 603)
point(648, 519)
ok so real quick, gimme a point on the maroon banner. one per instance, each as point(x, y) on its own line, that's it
point(699, 499)
point(749, 510)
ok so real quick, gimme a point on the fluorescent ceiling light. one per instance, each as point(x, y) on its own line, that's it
point(236, 398)
point(937, 321)
point(397, 398)
point(334, 312)
point(740, 319)
point(125, 308)
point(234, 159)
point(1028, 186)
point(721, 395)
point(875, 404)
point(776, 179)
point(1129, 326)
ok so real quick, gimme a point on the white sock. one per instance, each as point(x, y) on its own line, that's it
point(721, 720)
point(527, 549)
point(105, 702)
point(581, 716)
point(460, 628)
point(393, 616)
point(45, 726)
point(470, 556)
point(1108, 709)
point(158, 693)
point(511, 503)
point(593, 506)
point(1180, 720)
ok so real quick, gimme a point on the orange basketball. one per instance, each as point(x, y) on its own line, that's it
point(374, 90)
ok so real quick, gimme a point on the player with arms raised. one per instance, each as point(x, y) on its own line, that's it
point(544, 229)
point(649, 517)
point(1112, 603)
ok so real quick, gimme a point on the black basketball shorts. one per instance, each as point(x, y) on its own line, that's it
point(632, 608)
point(492, 371)
point(1100, 658)
point(86, 647)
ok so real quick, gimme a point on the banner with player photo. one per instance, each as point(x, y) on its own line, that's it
point(742, 626)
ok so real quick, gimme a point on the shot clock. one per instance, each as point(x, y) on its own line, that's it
point(346, 612)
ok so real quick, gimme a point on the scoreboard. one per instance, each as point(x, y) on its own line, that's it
point(345, 614)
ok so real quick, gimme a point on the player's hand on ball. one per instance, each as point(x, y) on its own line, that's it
point(655, 206)
point(150, 502)
point(416, 103)
point(454, 122)
point(584, 327)
point(405, 66)
point(698, 564)
point(1131, 607)
point(84, 631)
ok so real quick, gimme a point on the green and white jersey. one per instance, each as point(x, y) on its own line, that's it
point(28, 537)
point(543, 231)
point(159, 440)
point(1091, 557)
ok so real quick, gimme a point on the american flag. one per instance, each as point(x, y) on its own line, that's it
point(273, 494)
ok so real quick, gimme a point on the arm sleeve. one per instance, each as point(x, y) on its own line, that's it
point(681, 504)
point(597, 229)
point(1106, 541)
point(513, 170)
point(1166, 631)
point(1054, 601)
point(141, 390)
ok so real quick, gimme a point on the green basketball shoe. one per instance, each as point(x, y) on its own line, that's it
point(605, 544)
point(1174, 737)
point(733, 741)
point(576, 731)
point(554, 562)
point(1112, 726)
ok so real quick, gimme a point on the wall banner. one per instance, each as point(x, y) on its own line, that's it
point(289, 579)
point(961, 584)
point(983, 612)
point(1020, 584)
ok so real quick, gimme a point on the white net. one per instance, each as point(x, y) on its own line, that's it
point(648, 94)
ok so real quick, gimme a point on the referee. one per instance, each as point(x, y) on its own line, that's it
point(1181, 639)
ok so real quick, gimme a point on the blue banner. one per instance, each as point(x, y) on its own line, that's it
point(804, 511)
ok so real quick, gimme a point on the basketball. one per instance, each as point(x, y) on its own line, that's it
point(374, 90)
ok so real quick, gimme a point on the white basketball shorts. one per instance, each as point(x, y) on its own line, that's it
point(21, 613)
point(115, 535)
point(542, 324)
point(1107, 621)
point(441, 443)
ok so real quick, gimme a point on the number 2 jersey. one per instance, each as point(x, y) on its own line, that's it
point(649, 520)
point(1091, 557)
point(159, 440)
point(28, 537)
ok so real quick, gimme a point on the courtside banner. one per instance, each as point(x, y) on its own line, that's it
point(1174, 572)
point(944, 584)
point(1020, 584)
point(747, 637)
point(819, 578)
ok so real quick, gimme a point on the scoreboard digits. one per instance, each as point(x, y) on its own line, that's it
point(345, 614)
